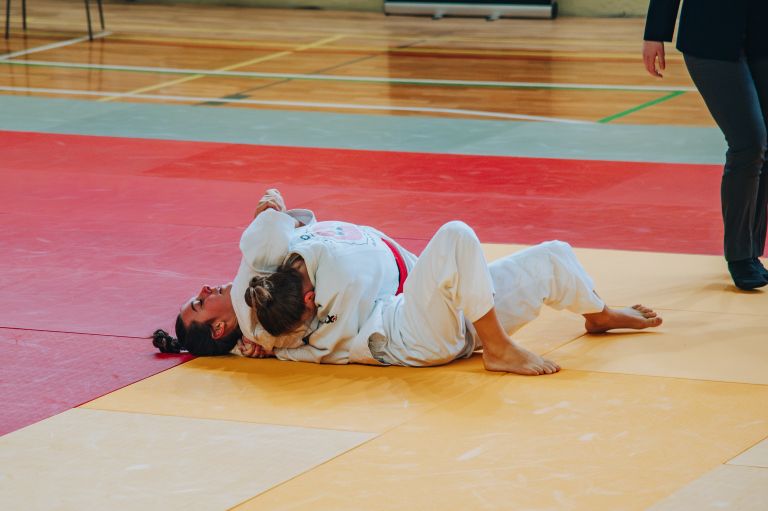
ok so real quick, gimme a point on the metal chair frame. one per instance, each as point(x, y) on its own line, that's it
point(24, 16)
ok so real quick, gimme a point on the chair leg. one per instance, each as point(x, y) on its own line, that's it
point(101, 15)
point(7, 17)
point(88, 16)
point(24, 14)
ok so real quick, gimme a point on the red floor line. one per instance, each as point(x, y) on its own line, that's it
point(71, 332)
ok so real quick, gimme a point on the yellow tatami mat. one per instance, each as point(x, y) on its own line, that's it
point(349, 397)
point(675, 418)
point(575, 440)
point(697, 345)
point(88, 459)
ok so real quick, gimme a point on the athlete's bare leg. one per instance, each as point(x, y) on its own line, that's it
point(501, 353)
point(636, 317)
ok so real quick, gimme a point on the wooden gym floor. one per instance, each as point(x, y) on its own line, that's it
point(130, 165)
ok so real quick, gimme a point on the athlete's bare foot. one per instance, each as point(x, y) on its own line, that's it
point(512, 358)
point(500, 353)
point(636, 317)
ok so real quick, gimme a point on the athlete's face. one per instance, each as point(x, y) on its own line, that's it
point(213, 306)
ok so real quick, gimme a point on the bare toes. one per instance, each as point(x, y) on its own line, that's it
point(550, 367)
point(543, 369)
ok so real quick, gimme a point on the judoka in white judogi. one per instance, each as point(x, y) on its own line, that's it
point(360, 320)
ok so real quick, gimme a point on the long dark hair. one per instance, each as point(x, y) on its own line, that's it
point(196, 339)
point(277, 300)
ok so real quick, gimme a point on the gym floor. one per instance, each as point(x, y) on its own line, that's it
point(131, 163)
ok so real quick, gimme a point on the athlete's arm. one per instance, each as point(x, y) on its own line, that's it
point(272, 199)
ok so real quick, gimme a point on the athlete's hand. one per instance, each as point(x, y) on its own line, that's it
point(270, 200)
point(250, 349)
point(653, 50)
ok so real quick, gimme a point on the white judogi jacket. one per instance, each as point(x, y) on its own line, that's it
point(350, 267)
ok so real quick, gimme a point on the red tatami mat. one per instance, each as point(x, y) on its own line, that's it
point(633, 206)
point(45, 373)
point(106, 236)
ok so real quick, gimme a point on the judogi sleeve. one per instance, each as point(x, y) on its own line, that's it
point(304, 216)
point(265, 241)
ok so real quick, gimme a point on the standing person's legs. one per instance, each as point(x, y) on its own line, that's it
point(729, 90)
point(759, 69)
point(449, 282)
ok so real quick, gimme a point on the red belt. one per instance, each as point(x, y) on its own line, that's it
point(402, 269)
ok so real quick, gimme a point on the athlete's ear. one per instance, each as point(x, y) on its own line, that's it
point(309, 299)
point(217, 330)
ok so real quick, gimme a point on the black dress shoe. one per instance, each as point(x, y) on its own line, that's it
point(746, 275)
point(760, 268)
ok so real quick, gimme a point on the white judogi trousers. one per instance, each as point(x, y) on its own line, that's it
point(451, 286)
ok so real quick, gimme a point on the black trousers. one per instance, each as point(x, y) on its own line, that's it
point(736, 94)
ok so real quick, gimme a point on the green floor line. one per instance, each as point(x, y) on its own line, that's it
point(641, 107)
point(355, 79)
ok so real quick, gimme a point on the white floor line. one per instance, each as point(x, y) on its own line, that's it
point(370, 79)
point(476, 113)
point(52, 46)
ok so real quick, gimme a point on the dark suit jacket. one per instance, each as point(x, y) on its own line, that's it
point(712, 29)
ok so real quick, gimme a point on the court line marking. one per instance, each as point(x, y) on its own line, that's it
point(362, 35)
point(526, 52)
point(344, 106)
point(341, 78)
point(227, 68)
point(247, 34)
point(542, 52)
point(52, 46)
point(641, 107)
point(247, 92)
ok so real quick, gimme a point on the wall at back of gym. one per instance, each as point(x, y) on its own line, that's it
point(601, 8)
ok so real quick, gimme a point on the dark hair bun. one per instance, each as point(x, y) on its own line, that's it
point(165, 342)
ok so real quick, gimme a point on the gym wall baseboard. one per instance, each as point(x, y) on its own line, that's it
point(596, 8)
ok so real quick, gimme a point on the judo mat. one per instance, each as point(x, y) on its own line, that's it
point(107, 235)
point(114, 210)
